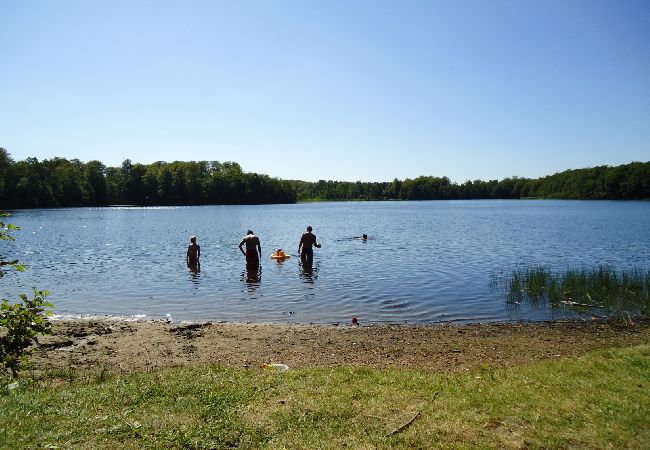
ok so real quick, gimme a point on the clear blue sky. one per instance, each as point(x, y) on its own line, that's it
point(345, 90)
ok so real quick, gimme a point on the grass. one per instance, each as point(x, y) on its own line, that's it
point(599, 400)
point(625, 291)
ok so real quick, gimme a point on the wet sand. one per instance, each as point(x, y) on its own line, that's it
point(113, 346)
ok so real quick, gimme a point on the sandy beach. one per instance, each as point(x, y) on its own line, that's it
point(123, 347)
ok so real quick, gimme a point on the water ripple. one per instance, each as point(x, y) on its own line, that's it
point(424, 261)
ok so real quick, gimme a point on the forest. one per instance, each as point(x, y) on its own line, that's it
point(59, 182)
point(624, 182)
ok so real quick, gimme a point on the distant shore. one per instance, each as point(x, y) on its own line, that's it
point(108, 345)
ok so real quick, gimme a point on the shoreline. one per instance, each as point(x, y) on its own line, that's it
point(143, 318)
point(118, 346)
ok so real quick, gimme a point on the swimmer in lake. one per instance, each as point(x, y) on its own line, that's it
point(252, 253)
point(193, 255)
point(363, 237)
point(307, 241)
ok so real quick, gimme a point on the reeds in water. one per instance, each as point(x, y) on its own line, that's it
point(599, 287)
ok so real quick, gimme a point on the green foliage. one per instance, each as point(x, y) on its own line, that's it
point(630, 181)
point(5, 234)
point(625, 291)
point(61, 182)
point(21, 323)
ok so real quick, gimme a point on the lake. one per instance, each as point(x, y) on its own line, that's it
point(425, 262)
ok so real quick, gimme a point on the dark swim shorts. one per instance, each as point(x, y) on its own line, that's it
point(252, 258)
point(307, 253)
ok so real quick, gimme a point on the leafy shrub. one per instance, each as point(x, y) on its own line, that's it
point(5, 234)
point(20, 325)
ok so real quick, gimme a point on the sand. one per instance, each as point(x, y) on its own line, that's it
point(107, 345)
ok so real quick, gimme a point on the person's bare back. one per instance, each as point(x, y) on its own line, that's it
point(193, 252)
point(307, 241)
point(253, 251)
point(251, 242)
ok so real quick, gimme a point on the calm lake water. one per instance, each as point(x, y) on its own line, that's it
point(425, 261)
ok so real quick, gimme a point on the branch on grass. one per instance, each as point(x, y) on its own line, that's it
point(404, 426)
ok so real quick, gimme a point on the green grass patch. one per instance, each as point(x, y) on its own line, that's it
point(624, 292)
point(599, 400)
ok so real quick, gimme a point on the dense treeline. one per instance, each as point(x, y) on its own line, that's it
point(61, 182)
point(625, 182)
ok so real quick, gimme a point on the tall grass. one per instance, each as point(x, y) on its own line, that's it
point(626, 291)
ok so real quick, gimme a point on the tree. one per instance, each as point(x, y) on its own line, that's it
point(5, 165)
point(96, 177)
point(134, 184)
point(115, 186)
point(60, 182)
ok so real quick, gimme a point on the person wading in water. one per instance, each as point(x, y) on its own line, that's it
point(307, 240)
point(252, 254)
point(193, 255)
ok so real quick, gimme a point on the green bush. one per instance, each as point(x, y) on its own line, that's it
point(5, 234)
point(20, 325)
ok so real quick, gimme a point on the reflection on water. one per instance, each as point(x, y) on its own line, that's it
point(253, 277)
point(195, 270)
point(308, 271)
point(422, 262)
point(281, 261)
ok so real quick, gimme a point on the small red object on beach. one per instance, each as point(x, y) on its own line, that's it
point(355, 321)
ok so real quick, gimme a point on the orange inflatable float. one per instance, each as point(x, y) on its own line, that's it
point(280, 255)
